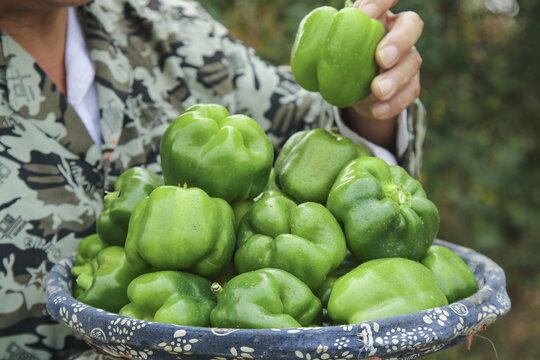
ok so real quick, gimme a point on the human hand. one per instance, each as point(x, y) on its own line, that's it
point(398, 84)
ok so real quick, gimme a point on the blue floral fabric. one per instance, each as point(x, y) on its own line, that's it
point(408, 336)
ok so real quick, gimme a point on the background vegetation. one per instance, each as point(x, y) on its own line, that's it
point(481, 84)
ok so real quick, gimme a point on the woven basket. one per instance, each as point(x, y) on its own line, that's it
point(408, 336)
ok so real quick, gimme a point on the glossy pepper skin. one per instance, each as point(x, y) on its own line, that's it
point(382, 288)
point(228, 156)
point(130, 187)
point(102, 282)
point(171, 297)
point(309, 162)
point(348, 264)
point(334, 53)
point(87, 250)
point(305, 240)
point(265, 298)
point(182, 229)
point(384, 211)
point(241, 207)
point(453, 276)
point(324, 291)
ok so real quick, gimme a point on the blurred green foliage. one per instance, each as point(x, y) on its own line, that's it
point(481, 82)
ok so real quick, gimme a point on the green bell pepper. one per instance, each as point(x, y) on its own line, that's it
point(382, 288)
point(87, 250)
point(453, 276)
point(334, 53)
point(182, 229)
point(309, 162)
point(385, 212)
point(170, 297)
point(277, 232)
point(227, 156)
point(130, 187)
point(241, 207)
point(324, 291)
point(272, 184)
point(265, 298)
point(348, 264)
point(102, 282)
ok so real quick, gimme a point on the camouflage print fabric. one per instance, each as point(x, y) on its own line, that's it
point(153, 59)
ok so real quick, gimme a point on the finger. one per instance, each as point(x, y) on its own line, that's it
point(404, 32)
point(385, 85)
point(374, 8)
point(388, 109)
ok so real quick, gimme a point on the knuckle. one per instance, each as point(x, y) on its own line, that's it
point(395, 110)
point(415, 18)
point(416, 89)
point(403, 103)
point(417, 56)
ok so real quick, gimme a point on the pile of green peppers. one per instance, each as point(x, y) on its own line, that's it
point(324, 235)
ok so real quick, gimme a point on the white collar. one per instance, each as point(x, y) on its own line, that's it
point(79, 66)
point(80, 78)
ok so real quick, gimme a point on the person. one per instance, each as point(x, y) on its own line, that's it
point(87, 88)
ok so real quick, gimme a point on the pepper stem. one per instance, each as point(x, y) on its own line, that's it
point(398, 194)
point(401, 195)
point(348, 3)
point(216, 288)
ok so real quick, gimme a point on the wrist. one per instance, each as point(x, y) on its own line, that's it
point(377, 131)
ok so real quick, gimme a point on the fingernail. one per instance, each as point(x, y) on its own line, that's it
point(388, 55)
point(369, 8)
point(386, 87)
point(380, 109)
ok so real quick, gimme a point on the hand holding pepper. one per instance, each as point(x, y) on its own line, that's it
point(332, 55)
point(398, 84)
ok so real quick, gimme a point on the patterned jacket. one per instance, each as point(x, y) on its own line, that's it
point(152, 60)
